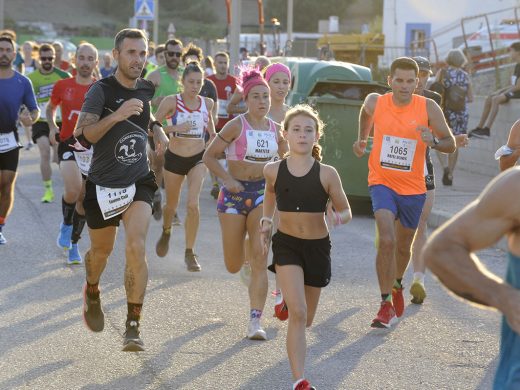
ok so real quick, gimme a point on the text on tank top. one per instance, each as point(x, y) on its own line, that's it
point(397, 158)
point(303, 194)
point(255, 146)
point(198, 118)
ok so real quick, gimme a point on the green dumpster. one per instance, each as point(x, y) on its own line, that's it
point(339, 100)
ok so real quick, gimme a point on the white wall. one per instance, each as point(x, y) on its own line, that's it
point(444, 16)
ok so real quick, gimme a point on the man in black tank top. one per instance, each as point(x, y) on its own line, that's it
point(115, 118)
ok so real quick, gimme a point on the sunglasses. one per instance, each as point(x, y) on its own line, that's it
point(46, 58)
point(173, 54)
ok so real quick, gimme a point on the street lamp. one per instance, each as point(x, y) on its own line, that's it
point(276, 35)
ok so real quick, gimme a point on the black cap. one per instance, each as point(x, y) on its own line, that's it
point(423, 63)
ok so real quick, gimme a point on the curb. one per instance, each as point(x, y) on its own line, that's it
point(438, 217)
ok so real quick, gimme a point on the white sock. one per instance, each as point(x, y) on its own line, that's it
point(418, 276)
point(278, 298)
point(296, 383)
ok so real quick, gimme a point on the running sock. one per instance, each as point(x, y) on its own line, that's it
point(93, 290)
point(78, 223)
point(398, 283)
point(419, 277)
point(167, 230)
point(255, 313)
point(386, 297)
point(134, 311)
point(68, 210)
point(1, 226)
point(47, 184)
point(188, 252)
point(278, 297)
point(297, 383)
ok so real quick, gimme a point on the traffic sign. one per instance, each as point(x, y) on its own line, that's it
point(144, 9)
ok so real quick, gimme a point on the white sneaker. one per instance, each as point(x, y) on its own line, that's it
point(255, 331)
point(3, 241)
point(245, 274)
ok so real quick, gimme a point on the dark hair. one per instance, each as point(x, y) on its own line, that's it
point(159, 49)
point(222, 54)
point(515, 46)
point(132, 33)
point(192, 67)
point(404, 63)
point(208, 62)
point(46, 47)
point(5, 38)
point(192, 50)
point(308, 111)
point(173, 42)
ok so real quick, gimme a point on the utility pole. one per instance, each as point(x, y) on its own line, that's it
point(290, 13)
point(2, 14)
point(155, 22)
point(234, 36)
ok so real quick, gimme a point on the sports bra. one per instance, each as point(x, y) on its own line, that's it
point(303, 194)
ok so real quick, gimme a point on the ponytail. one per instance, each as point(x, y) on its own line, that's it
point(316, 152)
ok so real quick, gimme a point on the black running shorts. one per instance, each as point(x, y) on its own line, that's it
point(144, 191)
point(181, 165)
point(312, 255)
point(9, 160)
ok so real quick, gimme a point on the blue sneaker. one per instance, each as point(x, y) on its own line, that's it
point(3, 241)
point(64, 238)
point(74, 255)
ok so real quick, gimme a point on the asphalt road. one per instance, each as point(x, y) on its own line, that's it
point(194, 325)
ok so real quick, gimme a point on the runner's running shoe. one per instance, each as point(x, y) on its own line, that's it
point(385, 317)
point(191, 262)
point(176, 220)
point(398, 301)
point(64, 237)
point(132, 341)
point(280, 307)
point(92, 312)
point(418, 292)
point(157, 205)
point(163, 244)
point(215, 191)
point(48, 196)
point(3, 241)
point(255, 331)
point(304, 385)
point(74, 255)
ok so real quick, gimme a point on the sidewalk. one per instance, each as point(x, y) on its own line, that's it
point(450, 200)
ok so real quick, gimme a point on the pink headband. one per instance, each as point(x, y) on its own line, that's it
point(251, 78)
point(275, 68)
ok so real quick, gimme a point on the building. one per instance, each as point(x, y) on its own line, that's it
point(432, 28)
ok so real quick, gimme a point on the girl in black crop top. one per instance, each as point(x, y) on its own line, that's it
point(303, 189)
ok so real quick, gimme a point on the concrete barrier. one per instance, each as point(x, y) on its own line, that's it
point(479, 155)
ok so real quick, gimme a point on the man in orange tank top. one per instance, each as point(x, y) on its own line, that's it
point(404, 125)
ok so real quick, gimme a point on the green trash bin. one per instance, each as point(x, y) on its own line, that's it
point(339, 103)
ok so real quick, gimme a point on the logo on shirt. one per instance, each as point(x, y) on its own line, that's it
point(126, 148)
point(119, 101)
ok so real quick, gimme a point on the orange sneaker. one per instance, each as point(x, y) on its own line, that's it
point(385, 317)
point(398, 301)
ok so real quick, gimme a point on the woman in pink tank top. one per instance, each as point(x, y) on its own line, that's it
point(249, 141)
